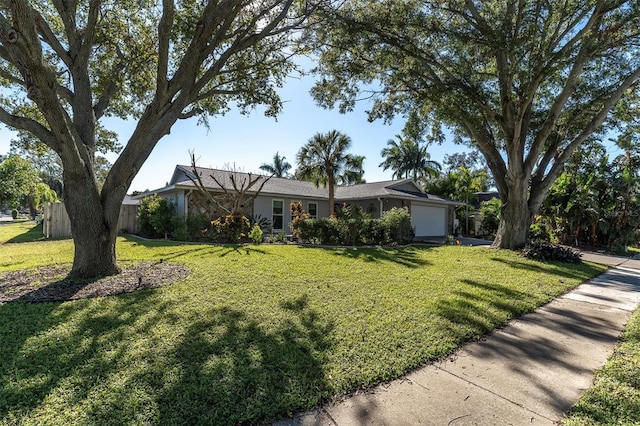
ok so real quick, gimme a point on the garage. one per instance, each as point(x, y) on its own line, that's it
point(429, 221)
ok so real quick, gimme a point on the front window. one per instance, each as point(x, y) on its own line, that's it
point(313, 210)
point(277, 217)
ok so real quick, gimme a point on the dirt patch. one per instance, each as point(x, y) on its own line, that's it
point(50, 283)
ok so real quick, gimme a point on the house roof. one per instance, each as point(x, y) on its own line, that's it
point(405, 189)
point(276, 186)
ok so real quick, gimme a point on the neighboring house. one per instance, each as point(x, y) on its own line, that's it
point(431, 216)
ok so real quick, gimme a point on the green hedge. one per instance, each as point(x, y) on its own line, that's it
point(352, 226)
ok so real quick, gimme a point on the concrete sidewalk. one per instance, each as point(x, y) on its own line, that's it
point(530, 372)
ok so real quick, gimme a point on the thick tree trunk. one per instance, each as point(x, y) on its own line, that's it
point(93, 227)
point(514, 226)
point(516, 216)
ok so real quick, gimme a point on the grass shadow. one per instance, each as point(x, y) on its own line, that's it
point(50, 346)
point(188, 248)
point(245, 373)
point(468, 308)
point(31, 234)
point(405, 256)
point(137, 359)
point(568, 270)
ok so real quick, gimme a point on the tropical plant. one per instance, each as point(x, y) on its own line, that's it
point(408, 158)
point(324, 161)
point(263, 222)
point(595, 200)
point(256, 234)
point(298, 215)
point(279, 168)
point(467, 183)
point(231, 228)
point(490, 216)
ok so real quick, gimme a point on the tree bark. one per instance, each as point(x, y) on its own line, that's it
point(332, 189)
point(516, 217)
point(94, 224)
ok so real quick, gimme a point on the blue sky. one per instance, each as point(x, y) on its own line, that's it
point(249, 141)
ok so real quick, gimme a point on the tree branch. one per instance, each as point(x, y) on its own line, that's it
point(108, 94)
point(630, 81)
point(50, 38)
point(164, 33)
point(31, 126)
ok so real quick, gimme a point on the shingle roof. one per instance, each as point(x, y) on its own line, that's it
point(291, 187)
point(274, 185)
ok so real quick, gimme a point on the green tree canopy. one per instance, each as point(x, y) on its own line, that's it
point(324, 160)
point(17, 180)
point(64, 66)
point(525, 82)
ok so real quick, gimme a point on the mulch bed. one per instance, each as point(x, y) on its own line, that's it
point(50, 283)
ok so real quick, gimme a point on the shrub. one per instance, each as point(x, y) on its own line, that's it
point(397, 224)
point(541, 230)
point(157, 216)
point(256, 234)
point(298, 215)
point(198, 226)
point(353, 226)
point(376, 232)
point(350, 223)
point(232, 228)
point(180, 231)
point(551, 252)
point(490, 212)
point(327, 230)
point(14, 214)
point(306, 229)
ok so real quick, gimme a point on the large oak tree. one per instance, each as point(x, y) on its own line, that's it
point(67, 64)
point(525, 82)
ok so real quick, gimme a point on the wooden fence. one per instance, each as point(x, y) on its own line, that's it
point(56, 224)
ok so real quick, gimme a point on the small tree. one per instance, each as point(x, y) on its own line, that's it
point(235, 198)
point(39, 194)
point(17, 179)
point(157, 216)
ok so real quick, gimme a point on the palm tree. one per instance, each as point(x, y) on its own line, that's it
point(279, 168)
point(409, 159)
point(323, 160)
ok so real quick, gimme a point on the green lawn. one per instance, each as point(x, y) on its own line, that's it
point(255, 332)
point(614, 399)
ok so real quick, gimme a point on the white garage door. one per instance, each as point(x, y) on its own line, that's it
point(428, 220)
